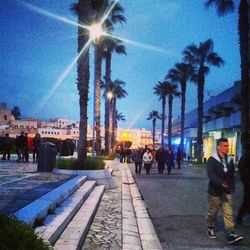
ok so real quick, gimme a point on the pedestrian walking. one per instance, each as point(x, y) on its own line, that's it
point(7, 143)
point(36, 143)
point(21, 144)
point(161, 159)
point(137, 158)
point(244, 169)
point(147, 160)
point(220, 171)
point(179, 156)
point(170, 160)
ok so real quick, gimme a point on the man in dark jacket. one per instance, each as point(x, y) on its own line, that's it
point(161, 158)
point(220, 173)
point(244, 168)
point(137, 158)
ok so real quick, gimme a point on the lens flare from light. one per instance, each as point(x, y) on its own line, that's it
point(62, 78)
point(140, 113)
point(95, 31)
point(51, 15)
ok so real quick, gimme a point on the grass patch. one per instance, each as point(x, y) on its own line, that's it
point(108, 157)
point(89, 163)
point(17, 235)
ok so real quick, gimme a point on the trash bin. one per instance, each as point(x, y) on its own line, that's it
point(47, 152)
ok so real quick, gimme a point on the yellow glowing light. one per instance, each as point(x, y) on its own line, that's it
point(109, 95)
point(95, 31)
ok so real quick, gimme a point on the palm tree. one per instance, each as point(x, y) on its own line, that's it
point(110, 46)
point(181, 73)
point(119, 117)
point(100, 8)
point(154, 115)
point(172, 92)
point(118, 92)
point(161, 89)
point(201, 57)
point(223, 7)
point(83, 9)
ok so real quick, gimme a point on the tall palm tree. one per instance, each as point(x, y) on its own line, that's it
point(201, 57)
point(154, 115)
point(100, 7)
point(223, 7)
point(118, 92)
point(161, 90)
point(172, 92)
point(119, 117)
point(83, 9)
point(111, 45)
point(181, 73)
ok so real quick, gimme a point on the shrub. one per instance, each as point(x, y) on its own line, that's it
point(108, 157)
point(89, 163)
point(17, 235)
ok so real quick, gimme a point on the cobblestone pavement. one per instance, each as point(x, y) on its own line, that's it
point(177, 204)
point(20, 184)
point(106, 229)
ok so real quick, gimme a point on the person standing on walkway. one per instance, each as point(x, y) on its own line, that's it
point(21, 144)
point(137, 158)
point(161, 158)
point(7, 147)
point(179, 156)
point(244, 168)
point(220, 173)
point(147, 160)
point(170, 160)
point(36, 143)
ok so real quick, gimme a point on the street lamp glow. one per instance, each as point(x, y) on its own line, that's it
point(95, 31)
point(109, 95)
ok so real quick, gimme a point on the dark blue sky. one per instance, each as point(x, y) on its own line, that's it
point(35, 50)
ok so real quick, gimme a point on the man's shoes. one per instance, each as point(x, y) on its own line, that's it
point(233, 238)
point(211, 233)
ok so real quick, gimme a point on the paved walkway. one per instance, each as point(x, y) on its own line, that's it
point(20, 184)
point(106, 229)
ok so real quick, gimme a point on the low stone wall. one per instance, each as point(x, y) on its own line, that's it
point(102, 177)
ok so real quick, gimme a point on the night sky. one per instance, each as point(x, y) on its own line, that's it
point(35, 51)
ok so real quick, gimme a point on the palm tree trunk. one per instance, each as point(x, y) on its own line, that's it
point(170, 116)
point(163, 120)
point(154, 123)
point(245, 74)
point(183, 107)
point(201, 83)
point(107, 102)
point(83, 79)
point(114, 127)
point(97, 112)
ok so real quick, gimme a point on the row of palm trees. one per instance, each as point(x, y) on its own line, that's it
point(195, 67)
point(223, 7)
point(89, 12)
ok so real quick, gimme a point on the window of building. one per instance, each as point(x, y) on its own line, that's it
point(21, 126)
point(5, 117)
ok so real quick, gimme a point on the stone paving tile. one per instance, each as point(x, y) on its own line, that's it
point(106, 229)
point(20, 184)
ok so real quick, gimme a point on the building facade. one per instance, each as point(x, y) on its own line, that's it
point(221, 119)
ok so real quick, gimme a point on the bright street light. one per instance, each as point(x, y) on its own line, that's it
point(95, 31)
point(109, 95)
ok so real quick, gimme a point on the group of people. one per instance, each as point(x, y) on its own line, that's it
point(220, 171)
point(23, 145)
point(163, 158)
